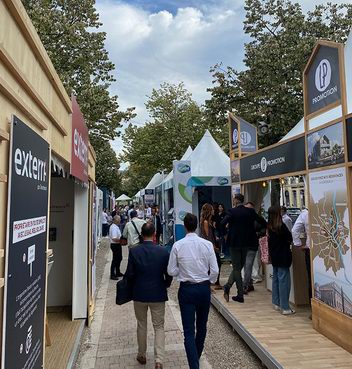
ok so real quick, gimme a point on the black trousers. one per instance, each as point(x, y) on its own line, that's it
point(308, 267)
point(238, 260)
point(116, 259)
point(218, 260)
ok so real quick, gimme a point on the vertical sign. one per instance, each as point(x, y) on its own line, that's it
point(182, 194)
point(233, 133)
point(243, 133)
point(25, 275)
point(79, 165)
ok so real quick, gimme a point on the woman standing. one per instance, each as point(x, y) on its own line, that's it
point(221, 231)
point(279, 242)
point(207, 231)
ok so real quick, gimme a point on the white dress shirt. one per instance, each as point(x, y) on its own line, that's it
point(114, 232)
point(300, 229)
point(287, 221)
point(191, 260)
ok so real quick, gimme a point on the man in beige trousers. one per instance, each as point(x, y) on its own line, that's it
point(147, 272)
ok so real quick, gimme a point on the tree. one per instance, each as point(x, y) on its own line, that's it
point(69, 30)
point(176, 122)
point(282, 38)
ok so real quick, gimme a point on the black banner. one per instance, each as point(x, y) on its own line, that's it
point(280, 160)
point(234, 134)
point(349, 138)
point(26, 250)
point(323, 79)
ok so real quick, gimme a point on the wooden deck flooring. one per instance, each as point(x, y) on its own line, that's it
point(63, 333)
point(288, 342)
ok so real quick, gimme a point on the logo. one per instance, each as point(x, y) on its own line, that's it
point(80, 148)
point(323, 75)
point(246, 138)
point(28, 165)
point(263, 164)
point(235, 136)
point(183, 168)
point(223, 181)
point(181, 215)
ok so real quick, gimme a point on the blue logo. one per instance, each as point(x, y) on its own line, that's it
point(223, 181)
point(183, 168)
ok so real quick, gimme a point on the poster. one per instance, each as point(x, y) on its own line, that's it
point(234, 133)
point(326, 147)
point(235, 171)
point(323, 79)
point(183, 192)
point(248, 133)
point(331, 240)
point(235, 189)
point(26, 261)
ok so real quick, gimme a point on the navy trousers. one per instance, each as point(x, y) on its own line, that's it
point(194, 300)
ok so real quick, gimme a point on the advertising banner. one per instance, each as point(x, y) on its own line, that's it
point(182, 194)
point(80, 142)
point(234, 133)
point(26, 261)
point(279, 160)
point(326, 147)
point(323, 79)
point(235, 171)
point(331, 240)
point(149, 197)
point(248, 133)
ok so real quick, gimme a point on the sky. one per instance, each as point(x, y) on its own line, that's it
point(174, 41)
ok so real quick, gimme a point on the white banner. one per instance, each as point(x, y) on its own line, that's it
point(27, 228)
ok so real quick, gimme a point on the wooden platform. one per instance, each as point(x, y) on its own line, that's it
point(64, 334)
point(288, 342)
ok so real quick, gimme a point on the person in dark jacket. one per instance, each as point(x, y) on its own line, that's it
point(279, 242)
point(242, 235)
point(147, 272)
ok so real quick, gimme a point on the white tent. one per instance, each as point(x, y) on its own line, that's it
point(123, 197)
point(295, 131)
point(209, 160)
point(155, 181)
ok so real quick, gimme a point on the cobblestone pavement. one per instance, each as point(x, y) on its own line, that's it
point(111, 341)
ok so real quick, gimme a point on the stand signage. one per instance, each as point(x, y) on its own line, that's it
point(26, 261)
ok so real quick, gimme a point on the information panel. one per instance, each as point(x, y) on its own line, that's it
point(24, 306)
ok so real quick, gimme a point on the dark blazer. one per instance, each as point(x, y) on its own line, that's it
point(280, 247)
point(147, 272)
point(242, 231)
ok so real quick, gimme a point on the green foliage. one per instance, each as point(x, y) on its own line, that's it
point(69, 30)
point(176, 122)
point(282, 38)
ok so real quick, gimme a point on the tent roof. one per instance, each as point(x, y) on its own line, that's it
point(155, 181)
point(138, 194)
point(296, 130)
point(123, 197)
point(208, 159)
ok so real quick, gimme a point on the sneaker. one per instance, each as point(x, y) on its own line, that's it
point(238, 299)
point(288, 312)
point(276, 307)
point(226, 293)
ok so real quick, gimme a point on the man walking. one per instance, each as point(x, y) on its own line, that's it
point(242, 236)
point(193, 262)
point(147, 272)
point(115, 235)
point(132, 230)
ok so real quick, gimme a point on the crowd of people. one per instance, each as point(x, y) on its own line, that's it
point(195, 261)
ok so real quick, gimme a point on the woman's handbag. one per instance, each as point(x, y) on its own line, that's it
point(123, 241)
point(123, 291)
point(264, 250)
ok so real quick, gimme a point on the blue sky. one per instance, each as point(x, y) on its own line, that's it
point(174, 41)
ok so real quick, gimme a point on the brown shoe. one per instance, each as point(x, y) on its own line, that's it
point(158, 366)
point(141, 359)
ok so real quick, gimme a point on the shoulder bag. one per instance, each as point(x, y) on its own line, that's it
point(140, 237)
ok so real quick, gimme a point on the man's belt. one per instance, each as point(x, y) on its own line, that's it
point(189, 283)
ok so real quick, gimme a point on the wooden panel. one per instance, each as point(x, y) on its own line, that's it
point(333, 324)
point(290, 340)
point(4, 136)
point(3, 177)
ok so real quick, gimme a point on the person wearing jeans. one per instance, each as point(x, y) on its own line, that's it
point(279, 242)
point(193, 262)
point(248, 267)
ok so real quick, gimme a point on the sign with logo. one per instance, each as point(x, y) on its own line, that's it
point(80, 142)
point(183, 192)
point(25, 273)
point(323, 79)
point(244, 132)
point(279, 160)
point(149, 196)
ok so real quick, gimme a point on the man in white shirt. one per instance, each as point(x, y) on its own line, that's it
point(133, 229)
point(115, 235)
point(193, 262)
point(301, 239)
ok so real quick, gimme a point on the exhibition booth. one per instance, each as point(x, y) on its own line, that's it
point(47, 184)
point(317, 154)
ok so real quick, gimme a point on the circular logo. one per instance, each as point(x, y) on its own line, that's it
point(246, 138)
point(263, 164)
point(235, 136)
point(323, 75)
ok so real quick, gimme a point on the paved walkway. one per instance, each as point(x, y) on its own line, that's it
point(111, 342)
